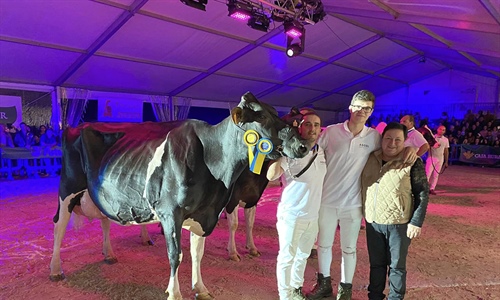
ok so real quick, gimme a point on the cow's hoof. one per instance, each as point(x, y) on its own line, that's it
point(254, 253)
point(111, 261)
point(58, 277)
point(204, 296)
point(234, 257)
point(148, 243)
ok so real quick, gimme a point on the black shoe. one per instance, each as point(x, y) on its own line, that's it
point(322, 288)
point(345, 291)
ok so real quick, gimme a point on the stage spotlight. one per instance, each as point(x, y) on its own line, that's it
point(295, 46)
point(198, 4)
point(259, 21)
point(293, 28)
point(239, 10)
point(294, 50)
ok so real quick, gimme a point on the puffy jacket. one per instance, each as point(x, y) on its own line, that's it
point(394, 193)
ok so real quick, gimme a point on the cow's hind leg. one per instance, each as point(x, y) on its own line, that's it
point(172, 228)
point(232, 221)
point(107, 250)
point(56, 272)
point(249, 222)
point(197, 247)
point(146, 240)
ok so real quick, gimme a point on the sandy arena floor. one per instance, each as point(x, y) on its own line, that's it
point(456, 258)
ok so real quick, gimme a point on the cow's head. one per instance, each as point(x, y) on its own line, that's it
point(251, 114)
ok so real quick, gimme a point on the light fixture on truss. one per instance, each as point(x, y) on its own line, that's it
point(295, 45)
point(259, 21)
point(293, 28)
point(239, 10)
point(198, 4)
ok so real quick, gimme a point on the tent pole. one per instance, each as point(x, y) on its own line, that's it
point(56, 109)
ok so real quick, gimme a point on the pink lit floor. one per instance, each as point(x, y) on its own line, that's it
point(457, 257)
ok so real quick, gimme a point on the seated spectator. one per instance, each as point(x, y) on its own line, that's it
point(36, 140)
point(494, 133)
point(5, 137)
point(484, 132)
point(48, 139)
point(23, 136)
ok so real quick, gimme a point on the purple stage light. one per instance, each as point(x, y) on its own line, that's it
point(293, 32)
point(241, 15)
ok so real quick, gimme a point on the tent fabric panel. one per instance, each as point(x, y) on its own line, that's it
point(467, 10)
point(337, 102)
point(469, 39)
point(393, 27)
point(490, 62)
point(413, 70)
point(376, 56)
point(377, 85)
point(293, 95)
point(354, 5)
point(112, 74)
point(31, 64)
point(222, 88)
point(265, 63)
point(68, 23)
point(329, 78)
point(170, 43)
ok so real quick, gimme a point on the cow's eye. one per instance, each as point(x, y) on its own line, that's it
point(261, 117)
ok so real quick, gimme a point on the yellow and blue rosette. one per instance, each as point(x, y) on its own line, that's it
point(257, 150)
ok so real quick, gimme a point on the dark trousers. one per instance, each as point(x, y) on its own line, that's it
point(387, 251)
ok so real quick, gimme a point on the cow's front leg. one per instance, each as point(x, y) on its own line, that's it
point(197, 247)
point(249, 222)
point(172, 230)
point(146, 239)
point(56, 272)
point(232, 223)
point(107, 250)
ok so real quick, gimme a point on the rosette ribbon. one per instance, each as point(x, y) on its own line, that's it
point(258, 148)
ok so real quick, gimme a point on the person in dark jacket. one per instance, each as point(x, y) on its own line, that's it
point(394, 197)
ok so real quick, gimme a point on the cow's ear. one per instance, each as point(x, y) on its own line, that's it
point(249, 98)
point(237, 114)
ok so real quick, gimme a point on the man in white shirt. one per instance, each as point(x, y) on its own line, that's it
point(415, 139)
point(298, 210)
point(347, 148)
point(438, 158)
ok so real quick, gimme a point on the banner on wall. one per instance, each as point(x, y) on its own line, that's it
point(119, 110)
point(11, 110)
point(482, 155)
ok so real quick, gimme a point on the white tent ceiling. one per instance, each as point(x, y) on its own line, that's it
point(164, 47)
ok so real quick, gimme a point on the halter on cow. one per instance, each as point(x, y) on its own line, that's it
point(181, 174)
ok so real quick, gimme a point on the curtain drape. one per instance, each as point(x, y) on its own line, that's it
point(73, 107)
point(164, 109)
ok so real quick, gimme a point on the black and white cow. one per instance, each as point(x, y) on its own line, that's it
point(181, 174)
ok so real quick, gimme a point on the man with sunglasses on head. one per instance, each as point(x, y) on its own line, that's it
point(347, 147)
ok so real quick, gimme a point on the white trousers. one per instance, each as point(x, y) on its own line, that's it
point(350, 221)
point(432, 168)
point(296, 238)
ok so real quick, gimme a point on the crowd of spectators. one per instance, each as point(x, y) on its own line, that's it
point(481, 128)
point(27, 136)
point(33, 143)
